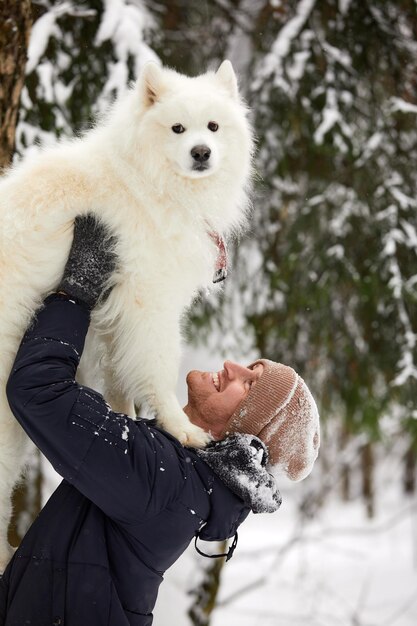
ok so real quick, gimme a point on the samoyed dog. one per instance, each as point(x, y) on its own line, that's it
point(168, 172)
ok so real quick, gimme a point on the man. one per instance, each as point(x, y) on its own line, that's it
point(132, 497)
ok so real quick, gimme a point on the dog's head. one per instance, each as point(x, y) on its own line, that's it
point(195, 127)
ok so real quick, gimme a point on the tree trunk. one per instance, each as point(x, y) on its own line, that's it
point(15, 24)
point(345, 469)
point(27, 500)
point(206, 593)
point(409, 478)
point(367, 458)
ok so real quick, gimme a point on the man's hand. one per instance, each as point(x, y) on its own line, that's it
point(91, 261)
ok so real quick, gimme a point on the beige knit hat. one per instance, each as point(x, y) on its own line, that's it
point(281, 411)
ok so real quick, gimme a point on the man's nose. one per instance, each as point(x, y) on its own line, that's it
point(235, 369)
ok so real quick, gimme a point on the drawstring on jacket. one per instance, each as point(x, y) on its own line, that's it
point(227, 554)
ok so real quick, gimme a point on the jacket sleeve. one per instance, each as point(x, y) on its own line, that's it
point(127, 468)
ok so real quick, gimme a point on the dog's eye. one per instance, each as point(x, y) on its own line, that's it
point(178, 128)
point(212, 126)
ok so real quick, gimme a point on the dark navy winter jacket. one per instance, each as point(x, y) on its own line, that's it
point(131, 500)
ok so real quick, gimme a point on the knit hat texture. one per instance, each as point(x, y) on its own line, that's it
point(281, 411)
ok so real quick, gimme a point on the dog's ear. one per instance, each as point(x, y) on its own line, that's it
point(227, 76)
point(151, 83)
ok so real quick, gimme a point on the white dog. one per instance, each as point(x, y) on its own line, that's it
point(168, 167)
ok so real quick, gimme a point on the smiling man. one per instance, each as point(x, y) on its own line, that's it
point(214, 396)
point(132, 497)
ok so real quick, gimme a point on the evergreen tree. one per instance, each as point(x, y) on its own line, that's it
point(327, 280)
point(81, 56)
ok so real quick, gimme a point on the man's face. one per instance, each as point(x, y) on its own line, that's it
point(214, 396)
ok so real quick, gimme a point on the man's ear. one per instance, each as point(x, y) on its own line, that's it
point(151, 83)
point(227, 77)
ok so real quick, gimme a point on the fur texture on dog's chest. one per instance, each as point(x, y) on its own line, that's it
point(168, 265)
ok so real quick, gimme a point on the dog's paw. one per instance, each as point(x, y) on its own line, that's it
point(187, 433)
point(194, 437)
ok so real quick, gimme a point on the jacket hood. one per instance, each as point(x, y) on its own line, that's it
point(241, 461)
point(239, 464)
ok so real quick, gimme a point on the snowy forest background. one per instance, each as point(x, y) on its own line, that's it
point(325, 279)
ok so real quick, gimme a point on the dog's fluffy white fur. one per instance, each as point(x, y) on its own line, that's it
point(137, 174)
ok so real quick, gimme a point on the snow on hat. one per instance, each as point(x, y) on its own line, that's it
point(281, 411)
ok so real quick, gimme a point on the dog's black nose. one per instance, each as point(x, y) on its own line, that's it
point(201, 153)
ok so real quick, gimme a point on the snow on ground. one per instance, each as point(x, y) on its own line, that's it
point(337, 570)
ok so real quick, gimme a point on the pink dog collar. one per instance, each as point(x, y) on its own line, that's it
point(220, 272)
